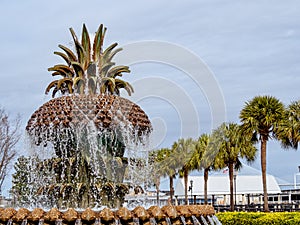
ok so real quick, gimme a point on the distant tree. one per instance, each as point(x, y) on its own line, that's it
point(184, 150)
point(262, 119)
point(201, 159)
point(168, 166)
point(32, 176)
point(233, 146)
point(21, 178)
point(9, 137)
point(156, 159)
point(289, 133)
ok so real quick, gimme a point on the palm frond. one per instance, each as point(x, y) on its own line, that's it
point(51, 85)
point(78, 69)
point(64, 56)
point(98, 43)
point(65, 81)
point(117, 70)
point(81, 58)
point(62, 70)
point(71, 55)
point(86, 44)
point(92, 83)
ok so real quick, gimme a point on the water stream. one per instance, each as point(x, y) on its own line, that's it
point(182, 218)
point(152, 221)
point(168, 220)
point(136, 221)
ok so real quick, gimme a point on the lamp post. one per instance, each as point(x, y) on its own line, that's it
point(191, 189)
point(295, 177)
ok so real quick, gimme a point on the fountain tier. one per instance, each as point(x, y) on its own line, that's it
point(105, 111)
point(153, 215)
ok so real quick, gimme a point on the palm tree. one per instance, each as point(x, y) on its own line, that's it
point(200, 161)
point(289, 133)
point(156, 159)
point(261, 119)
point(169, 167)
point(233, 146)
point(184, 150)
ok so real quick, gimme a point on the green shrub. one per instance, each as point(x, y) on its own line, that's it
point(259, 218)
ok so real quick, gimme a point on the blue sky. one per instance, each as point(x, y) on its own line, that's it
point(250, 47)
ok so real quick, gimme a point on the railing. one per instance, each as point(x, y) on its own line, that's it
point(286, 207)
point(283, 202)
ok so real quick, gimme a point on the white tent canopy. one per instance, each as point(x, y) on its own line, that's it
point(248, 181)
point(220, 185)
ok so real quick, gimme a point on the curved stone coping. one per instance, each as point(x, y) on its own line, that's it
point(105, 216)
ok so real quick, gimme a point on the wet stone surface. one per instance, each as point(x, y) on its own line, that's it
point(153, 215)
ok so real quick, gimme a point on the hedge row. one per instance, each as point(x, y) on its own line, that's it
point(259, 218)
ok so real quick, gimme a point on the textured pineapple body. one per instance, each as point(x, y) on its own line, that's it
point(104, 111)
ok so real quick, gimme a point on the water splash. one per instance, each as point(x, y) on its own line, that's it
point(215, 218)
point(107, 152)
point(211, 221)
point(98, 221)
point(24, 222)
point(117, 222)
point(183, 220)
point(59, 222)
point(10, 222)
point(79, 222)
point(152, 221)
point(136, 221)
point(168, 220)
point(41, 222)
point(203, 220)
point(195, 220)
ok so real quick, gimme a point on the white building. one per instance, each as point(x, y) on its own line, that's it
point(248, 186)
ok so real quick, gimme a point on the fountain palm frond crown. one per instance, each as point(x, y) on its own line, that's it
point(89, 69)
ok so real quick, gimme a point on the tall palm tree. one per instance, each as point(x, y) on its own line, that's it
point(261, 119)
point(184, 150)
point(290, 131)
point(200, 161)
point(156, 159)
point(169, 167)
point(233, 146)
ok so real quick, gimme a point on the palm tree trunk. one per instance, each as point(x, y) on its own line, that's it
point(157, 183)
point(171, 188)
point(185, 177)
point(264, 171)
point(230, 166)
point(205, 185)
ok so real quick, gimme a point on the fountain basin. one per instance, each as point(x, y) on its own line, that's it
point(153, 215)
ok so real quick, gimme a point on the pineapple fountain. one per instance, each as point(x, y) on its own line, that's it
point(89, 128)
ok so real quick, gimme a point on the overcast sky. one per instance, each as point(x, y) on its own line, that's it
point(205, 56)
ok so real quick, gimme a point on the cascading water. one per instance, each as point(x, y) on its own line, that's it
point(152, 221)
point(195, 220)
point(92, 145)
point(215, 218)
point(211, 221)
point(183, 220)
